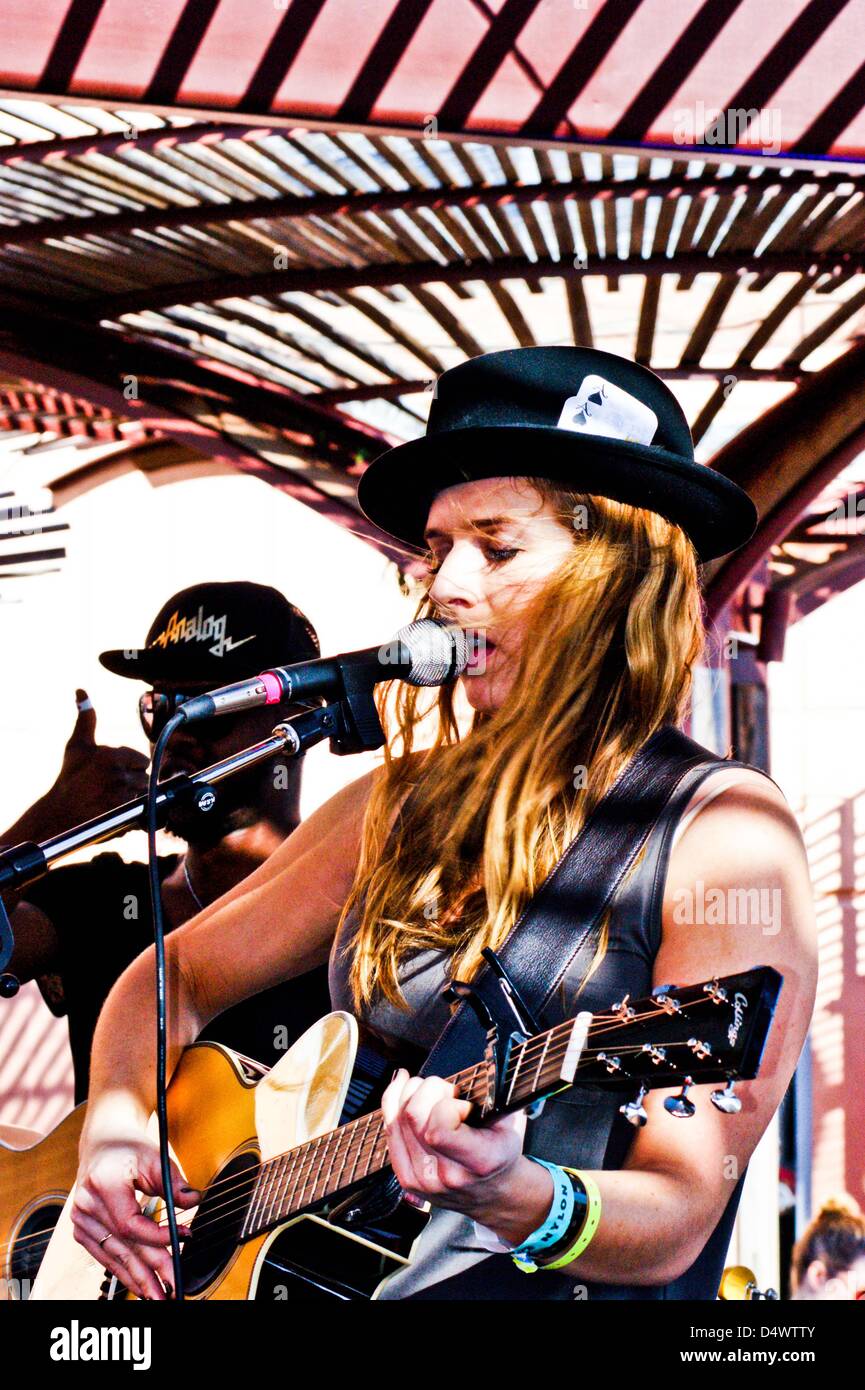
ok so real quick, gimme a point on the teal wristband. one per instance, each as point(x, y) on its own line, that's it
point(557, 1221)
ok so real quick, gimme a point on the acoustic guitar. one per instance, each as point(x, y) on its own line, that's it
point(36, 1176)
point(294, 1169)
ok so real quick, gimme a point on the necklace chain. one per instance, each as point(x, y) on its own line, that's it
point(188, 881)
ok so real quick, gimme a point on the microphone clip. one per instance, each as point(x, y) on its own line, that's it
point(358, 727)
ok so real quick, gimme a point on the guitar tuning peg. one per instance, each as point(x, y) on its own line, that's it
point(634, 1111)
point(665, 1000)
point(716, 992)
point(679, 1106)
point(726, 1100)
point(623, 1010)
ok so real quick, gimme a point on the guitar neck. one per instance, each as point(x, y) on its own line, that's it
point(335, 1161)
point(329, 1164)
point(682, 1036)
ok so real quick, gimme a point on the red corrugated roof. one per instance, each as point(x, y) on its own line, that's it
point(648, 72)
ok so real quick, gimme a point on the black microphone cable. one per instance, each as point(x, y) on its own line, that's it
point(161, 1010)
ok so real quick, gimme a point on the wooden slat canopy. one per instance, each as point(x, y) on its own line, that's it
point(282, 297)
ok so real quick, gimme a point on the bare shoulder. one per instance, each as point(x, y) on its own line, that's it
point(745, 835)
point(737, 786)
point(738, 894)
point(744, 820)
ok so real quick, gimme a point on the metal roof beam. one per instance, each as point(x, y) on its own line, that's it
point(210, 421)
point(786, 458)
point(391, 390)
point(55, 337)
point(340, 278)
point(410, 200)
point(166, 136)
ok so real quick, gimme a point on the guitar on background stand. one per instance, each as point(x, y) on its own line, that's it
point(36, 1175)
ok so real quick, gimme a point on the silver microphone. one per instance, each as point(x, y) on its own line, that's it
point(427, 652)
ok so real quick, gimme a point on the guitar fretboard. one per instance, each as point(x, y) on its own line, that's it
point(333, 1162)
point(323, 1167)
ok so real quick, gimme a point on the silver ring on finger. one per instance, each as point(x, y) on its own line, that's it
point(121, 1258)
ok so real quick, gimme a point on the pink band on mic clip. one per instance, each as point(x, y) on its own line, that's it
point(272, 687)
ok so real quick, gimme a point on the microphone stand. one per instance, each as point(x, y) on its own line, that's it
point(351, 723)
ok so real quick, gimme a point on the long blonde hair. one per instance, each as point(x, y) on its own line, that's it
point(617, 630)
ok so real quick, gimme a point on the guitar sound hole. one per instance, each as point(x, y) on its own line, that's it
point(31, 1242)
point(217, 1225)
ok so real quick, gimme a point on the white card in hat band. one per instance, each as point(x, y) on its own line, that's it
point(600, 407)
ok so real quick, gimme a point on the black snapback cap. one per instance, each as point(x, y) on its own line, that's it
point(211, 634)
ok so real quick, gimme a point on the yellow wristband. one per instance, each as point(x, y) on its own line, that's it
point(589, 1226)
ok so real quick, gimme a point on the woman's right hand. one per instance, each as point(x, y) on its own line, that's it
point(108, 1221)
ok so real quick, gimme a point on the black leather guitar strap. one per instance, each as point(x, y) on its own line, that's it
point(563, 918)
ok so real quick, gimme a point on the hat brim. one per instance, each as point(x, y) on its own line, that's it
point(155, 667)
point(398, 487)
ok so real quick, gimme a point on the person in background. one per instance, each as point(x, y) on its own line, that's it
point(829, 1257)
point(78, 928)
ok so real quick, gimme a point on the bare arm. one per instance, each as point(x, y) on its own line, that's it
point(278, 923)
point(661, 1207)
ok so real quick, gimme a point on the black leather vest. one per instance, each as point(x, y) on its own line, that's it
point(581, 1127)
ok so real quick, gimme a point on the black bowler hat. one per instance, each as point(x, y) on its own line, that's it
point(590, 419)
point(212, 634)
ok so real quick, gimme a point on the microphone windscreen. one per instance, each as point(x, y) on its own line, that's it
point(438, 650)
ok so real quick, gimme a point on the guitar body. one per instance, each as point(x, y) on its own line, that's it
point(299, 1202)
point(223, 1124)
point(35, 1177)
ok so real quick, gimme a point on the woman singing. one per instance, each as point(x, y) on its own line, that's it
point(564, 519)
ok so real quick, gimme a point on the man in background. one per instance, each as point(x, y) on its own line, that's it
point(78, 927)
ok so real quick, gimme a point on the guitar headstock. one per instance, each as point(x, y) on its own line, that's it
point(679, 1035)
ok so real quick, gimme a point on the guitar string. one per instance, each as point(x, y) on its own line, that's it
point(230, 1183)
point(238, 1205)
point(307, 1150)
point(244, 1186)
point(363, 1150)
point(366, 1150)
point(555, 1053)
point(303, 1151)
point(217, 1226)
point(604, 1022)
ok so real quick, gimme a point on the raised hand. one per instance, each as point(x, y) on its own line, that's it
point(92, 779)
